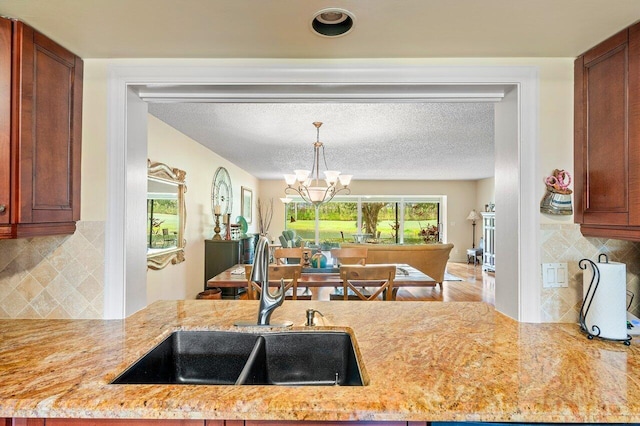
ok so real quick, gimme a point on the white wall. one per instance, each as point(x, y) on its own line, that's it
point(94, 141)
point(461, 196)
point(167, 145)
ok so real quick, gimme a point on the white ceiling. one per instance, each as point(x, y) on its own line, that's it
point(280, 28)
point(414, 141)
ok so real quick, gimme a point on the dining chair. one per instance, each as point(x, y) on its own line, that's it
point(347, 256)
point(288, 255)
point(289, 273)
point(350, 255)
point(377, 278)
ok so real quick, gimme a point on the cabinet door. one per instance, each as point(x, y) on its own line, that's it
point(5, 122)
point(24, 422)
point(218, 256)
point(601, 139)
point(47, 127)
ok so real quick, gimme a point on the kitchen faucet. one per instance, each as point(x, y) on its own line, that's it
point(260, 274)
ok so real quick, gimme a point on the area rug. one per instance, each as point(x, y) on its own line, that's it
point(451, 277)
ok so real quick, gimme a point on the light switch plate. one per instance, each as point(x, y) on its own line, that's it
point(555, 275)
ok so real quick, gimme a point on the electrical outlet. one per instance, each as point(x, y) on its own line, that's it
point(555, 275)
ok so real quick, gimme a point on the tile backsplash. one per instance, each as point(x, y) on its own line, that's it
point(54, 277)
point(63, 276)
point(565, 243)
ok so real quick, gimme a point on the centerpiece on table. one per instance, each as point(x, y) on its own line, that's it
point(319, 260)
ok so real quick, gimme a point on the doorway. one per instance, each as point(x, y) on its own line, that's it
point(516, 115)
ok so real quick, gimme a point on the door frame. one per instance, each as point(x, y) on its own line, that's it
point(125, 255)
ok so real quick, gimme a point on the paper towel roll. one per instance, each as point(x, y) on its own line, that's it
point(608, 310)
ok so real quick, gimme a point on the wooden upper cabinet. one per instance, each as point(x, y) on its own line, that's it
point(607, 137)
point(5, 122)
point(45, 128)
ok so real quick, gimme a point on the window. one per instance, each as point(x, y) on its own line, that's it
point(421, 220)
point(386, 219)
point(379, 220)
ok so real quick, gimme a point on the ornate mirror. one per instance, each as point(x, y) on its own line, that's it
point(166, 215)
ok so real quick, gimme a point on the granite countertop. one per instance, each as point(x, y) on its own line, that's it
point(425, 361)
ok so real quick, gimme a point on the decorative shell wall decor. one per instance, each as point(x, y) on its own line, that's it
point(557, 199)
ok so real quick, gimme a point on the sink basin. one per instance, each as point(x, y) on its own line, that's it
point(304, 358)
point(192, 357)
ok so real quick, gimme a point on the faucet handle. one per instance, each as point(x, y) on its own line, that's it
point(310, 316)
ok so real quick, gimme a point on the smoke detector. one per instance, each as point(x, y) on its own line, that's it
point(332, 22)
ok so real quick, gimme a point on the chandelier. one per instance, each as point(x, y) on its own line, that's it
point(307, 183)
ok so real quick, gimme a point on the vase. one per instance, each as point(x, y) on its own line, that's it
point(318, 260)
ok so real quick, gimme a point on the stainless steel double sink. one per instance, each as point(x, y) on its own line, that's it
point(294, 358)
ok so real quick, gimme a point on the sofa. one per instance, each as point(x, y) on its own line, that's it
point(428, 258)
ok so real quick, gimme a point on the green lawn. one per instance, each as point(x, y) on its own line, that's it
point(330, 230)
point(170, 222)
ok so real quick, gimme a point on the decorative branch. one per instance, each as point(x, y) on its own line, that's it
point(265, 214)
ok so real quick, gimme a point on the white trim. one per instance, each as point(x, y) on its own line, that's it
point(529, 213)
point(291, 74)
point(115, 248)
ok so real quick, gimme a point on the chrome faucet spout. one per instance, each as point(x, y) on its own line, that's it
point(260, 274)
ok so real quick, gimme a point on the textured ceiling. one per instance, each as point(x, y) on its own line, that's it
point(392, 141)
point(281, 28)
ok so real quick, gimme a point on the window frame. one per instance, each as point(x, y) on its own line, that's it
point(400, 200)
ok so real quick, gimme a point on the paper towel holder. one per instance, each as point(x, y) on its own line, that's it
point(588, 298)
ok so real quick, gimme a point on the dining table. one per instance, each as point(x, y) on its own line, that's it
point(406, 276)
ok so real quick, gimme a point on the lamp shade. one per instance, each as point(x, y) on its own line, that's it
point(345, 179)
point(302, 175)
point(290, 179)
point(316, 194)
point(332, 176)
point(474, 215)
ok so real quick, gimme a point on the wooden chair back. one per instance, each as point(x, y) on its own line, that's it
point(350, 255)
point(356, 278)
point(281, 255)
point(289, 273)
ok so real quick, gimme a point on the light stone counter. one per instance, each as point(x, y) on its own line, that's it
point(425, 361)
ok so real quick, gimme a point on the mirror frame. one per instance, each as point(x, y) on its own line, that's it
point(175, 176)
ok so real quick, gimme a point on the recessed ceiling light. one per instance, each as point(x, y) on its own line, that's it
point(332, 22)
